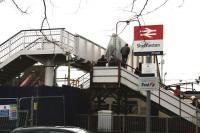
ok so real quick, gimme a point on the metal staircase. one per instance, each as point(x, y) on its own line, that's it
point(28, 47)
point(162, 97)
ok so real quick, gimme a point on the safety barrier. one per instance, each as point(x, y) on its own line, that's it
point(10, 115)
point(29, 111)
point(130, 123)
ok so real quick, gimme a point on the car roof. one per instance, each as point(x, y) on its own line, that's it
point(67, 128)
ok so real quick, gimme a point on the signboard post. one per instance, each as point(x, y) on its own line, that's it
point(148, 40)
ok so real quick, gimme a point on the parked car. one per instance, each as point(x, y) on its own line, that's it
point(47, 129)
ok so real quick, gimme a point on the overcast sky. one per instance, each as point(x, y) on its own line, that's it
point(96, 20)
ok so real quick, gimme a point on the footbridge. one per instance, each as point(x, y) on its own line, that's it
point(50, 47)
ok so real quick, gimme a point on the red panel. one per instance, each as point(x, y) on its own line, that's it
point(149, 32)
point(27, 81)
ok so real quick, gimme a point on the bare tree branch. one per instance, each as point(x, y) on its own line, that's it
point(42, 25)
point(183, 1)
point(140, 14)
point(45, 16)
point(79, 6)
point(22, 11)
point(157, 7)
point(50, 40)
point(133, 3)
point(143, 8)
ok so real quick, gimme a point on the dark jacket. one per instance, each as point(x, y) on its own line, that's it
point(102, 61)
point(125, 51)
point(113, 62)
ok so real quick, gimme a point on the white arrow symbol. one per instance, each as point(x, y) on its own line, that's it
point(147, 32)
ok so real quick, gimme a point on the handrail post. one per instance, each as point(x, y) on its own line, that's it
point(123, 123)
point(159, 94)
point(196, 104)
point(64, 122)
point(167, 124)
point(9, 48)
point(180, 106)
point(32, 108)
point(62, 39)
point(119, 74)
point(24, 40)
point(91, 75)
point(17, 113)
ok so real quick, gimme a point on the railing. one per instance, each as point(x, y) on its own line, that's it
point(10, 116)
point(6, 124)
point(84, 81)
point(175, 104)
point(115, 73)
point(163, 97)
point(25, 38)
point(130, 123)
point(58, 38)
point(33, 103)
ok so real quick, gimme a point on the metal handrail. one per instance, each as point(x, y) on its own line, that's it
point(65, 40)
point(84, 80)
point(160, 89)
point(21, 40)
point(178, 99)
point(29, 30)
point(181, 103)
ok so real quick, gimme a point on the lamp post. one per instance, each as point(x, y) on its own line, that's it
point(127, 22)
point(116, 34)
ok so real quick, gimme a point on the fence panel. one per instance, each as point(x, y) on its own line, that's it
point(130, 124)
point(44, 110)
point(10, 116)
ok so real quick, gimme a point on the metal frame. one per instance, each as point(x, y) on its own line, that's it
point(162, 97)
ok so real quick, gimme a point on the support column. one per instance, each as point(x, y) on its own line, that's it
point(49, 74)
point(148, 102)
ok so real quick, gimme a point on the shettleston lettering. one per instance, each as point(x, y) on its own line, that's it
point(147, 44)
